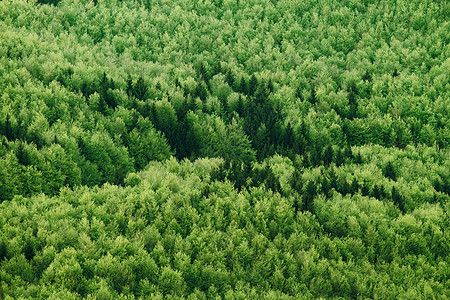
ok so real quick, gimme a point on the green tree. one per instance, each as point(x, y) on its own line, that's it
point(308, 197)
point(398, 199)
point(389, 171)
point(140, 89)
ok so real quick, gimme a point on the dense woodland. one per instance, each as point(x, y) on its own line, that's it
point(224, 149)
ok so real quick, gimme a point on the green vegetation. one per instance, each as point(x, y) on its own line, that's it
point(224, 149)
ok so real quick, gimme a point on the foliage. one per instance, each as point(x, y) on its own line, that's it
point(232, 149)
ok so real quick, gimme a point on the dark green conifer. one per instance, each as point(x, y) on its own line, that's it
point(389, 171)
point(140, 89)
point(398, 199)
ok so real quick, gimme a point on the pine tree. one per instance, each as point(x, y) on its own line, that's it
point(252, 85)
point(84, 89)
point(177, 82)
point(261, 94)
point(348, 152)
point(240, 106)
point(140, 89)
point(271, 181)
point(398, 199)
point(3, 251)
point(306, 159)
point(312, 98)
point(367, 76)
point(332, 177)
point(354, 186)
point(28, 250)
point(229, 78)
point(22, 154)
point(395, 73)
point(389, 172)
point(102, 107)
point(296, 181)
point(7, 129)
point(339, 158)
point(327, 155)
point(365, 188)
point(358, 158)
point(217, 69)
point(154, 116)
point(270, 86)
point(202, 73)
point(288, 137)
point(352, 92)
point(243, 86)
point(104, 85)
point(201, 91)
point(308, 197)
point(298, 93)
point(344, 187)
point(376, 193)
point(326, 188)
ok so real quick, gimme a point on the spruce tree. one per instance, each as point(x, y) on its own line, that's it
point(389, 171)
point(140, 89)
point(398, 199)
point(252, 85)
point(312, 97)
point(308, 197)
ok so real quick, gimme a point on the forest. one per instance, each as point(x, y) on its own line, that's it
point(224, 149)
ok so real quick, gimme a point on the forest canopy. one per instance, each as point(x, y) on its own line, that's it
point(224, 149)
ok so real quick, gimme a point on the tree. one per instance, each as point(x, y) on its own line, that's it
point(202, 73)
point(252, 85)
point(344, 186)
point(140, 89)
point(229, 77)
point(326, 188)
point(145, 145)
point(298, 93)
point(28, 250)
point(339, 158)
point(348, 152)
point(378, 192)
point(171, 282)
point(22, 154)
point(3, 251)
point(296, 181)
point(201, 91)
point(358, 158)
point(365, 189)
point(271, 181)
point(353, 104)
point(129, 89)
point(288, 137)
point(52, 2)
point(395, 73)
point(7, 129)
point(308, 197)
point(367, 76)
point(333, 177)
point(312, 97)
point(240, 106)
point(243, 86)
point(327, 156)
point(233, 145)
point(101, 105)
point(389, 171)
point(398, 199)
point(270, 86)
point(354, 186)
